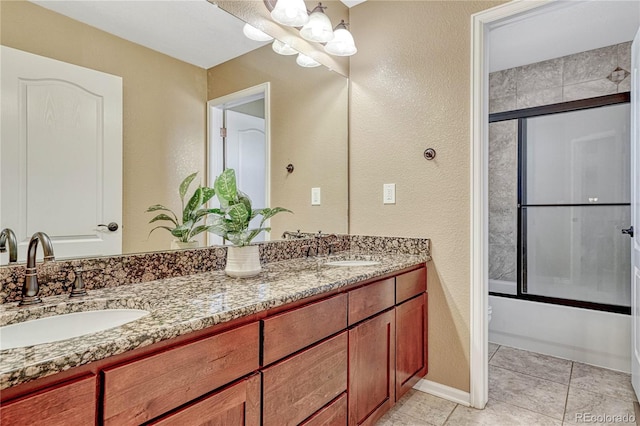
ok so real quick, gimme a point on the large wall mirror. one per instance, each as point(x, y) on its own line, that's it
point(166, 83)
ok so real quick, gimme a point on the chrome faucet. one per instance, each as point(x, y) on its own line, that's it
point(290, 234)
point(325, 240)
point(8, 237)
point(30, 288)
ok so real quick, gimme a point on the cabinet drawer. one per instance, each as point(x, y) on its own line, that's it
point(237, 405)
point(331, 415)
point(146, 388)
point(291, 331)
point(410, 284)
point(297, 387)
point(66, 405)
point(367, 301)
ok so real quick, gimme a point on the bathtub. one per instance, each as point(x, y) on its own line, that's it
point(504, 287)
point(583, 335)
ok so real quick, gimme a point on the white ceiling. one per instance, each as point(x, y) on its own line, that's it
point(197, 32)
point(193, 31)
point(560, 29)
point(351, 3)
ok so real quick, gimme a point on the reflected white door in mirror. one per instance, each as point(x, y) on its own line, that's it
point(239, 140)
point(61, 154)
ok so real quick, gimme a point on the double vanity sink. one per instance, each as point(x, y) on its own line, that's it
point(63, 333)
point(325, 333)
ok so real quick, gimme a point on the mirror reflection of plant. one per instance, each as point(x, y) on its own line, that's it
point(236, 213)
point(193, 213)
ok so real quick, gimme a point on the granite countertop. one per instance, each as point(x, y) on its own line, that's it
point(177, 306)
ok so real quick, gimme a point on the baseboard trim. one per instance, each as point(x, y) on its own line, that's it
point(443, 391)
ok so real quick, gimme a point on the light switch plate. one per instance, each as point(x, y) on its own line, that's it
point(315, 196)
point(389, 193)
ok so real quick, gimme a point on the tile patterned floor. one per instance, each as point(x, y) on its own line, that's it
point(529, 389)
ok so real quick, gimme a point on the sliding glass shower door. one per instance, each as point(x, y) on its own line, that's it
point(573, 203)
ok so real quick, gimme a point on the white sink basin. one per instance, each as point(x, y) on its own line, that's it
point(346, 263)
point(62, 327)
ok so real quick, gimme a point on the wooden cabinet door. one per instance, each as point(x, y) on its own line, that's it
point(371, 369)
point(68, 404)
point(411, 343)
point(236, 405)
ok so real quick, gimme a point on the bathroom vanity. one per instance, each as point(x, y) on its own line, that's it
point(303, 343)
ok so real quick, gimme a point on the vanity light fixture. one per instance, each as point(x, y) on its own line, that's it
point(342, 43)
point(252, 33)
point(283, 48)
point(307, 62)
point(292, 13)
point(319, 28)
point(316, 27)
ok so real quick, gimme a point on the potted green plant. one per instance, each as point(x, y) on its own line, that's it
point(194, 212)
point(232, 223)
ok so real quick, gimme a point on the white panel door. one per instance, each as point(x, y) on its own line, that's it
point(60, 154)
point(635, 213)
point(246, 154)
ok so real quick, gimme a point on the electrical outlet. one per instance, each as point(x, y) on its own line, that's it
point(315, 196)
point(389, 193)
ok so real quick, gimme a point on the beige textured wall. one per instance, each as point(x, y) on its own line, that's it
point(164, 106)
point(410, 90)
point(308, 129)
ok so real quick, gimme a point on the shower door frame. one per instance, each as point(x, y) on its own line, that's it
point(521, 115)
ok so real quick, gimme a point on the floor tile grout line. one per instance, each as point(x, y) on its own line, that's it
point(525, 408)
point(529, 410)
point(531, 375)
point(608, 396)
point(494, 353)
point(566, 399)
point(413, 417)
point(449, 416)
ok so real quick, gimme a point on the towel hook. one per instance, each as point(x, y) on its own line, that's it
point(429, 153)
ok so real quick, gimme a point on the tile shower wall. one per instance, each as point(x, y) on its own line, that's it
point(503, 189)
point(597, 72)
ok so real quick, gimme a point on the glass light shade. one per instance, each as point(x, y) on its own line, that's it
point(305, 61)
point(292, 13)
point(252, 33)
point(342, 43)
point(282, 48)
point(318, 28)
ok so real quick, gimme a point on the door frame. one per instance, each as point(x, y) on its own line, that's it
point(479, 158)
point(263, 89)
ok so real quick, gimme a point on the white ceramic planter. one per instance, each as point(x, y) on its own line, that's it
point(179, 245)
point(243, 262)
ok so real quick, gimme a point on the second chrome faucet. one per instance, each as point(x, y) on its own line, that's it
point(8, 238)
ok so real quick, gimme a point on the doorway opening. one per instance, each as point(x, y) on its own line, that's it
point(485, 26)
point(239, 139)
